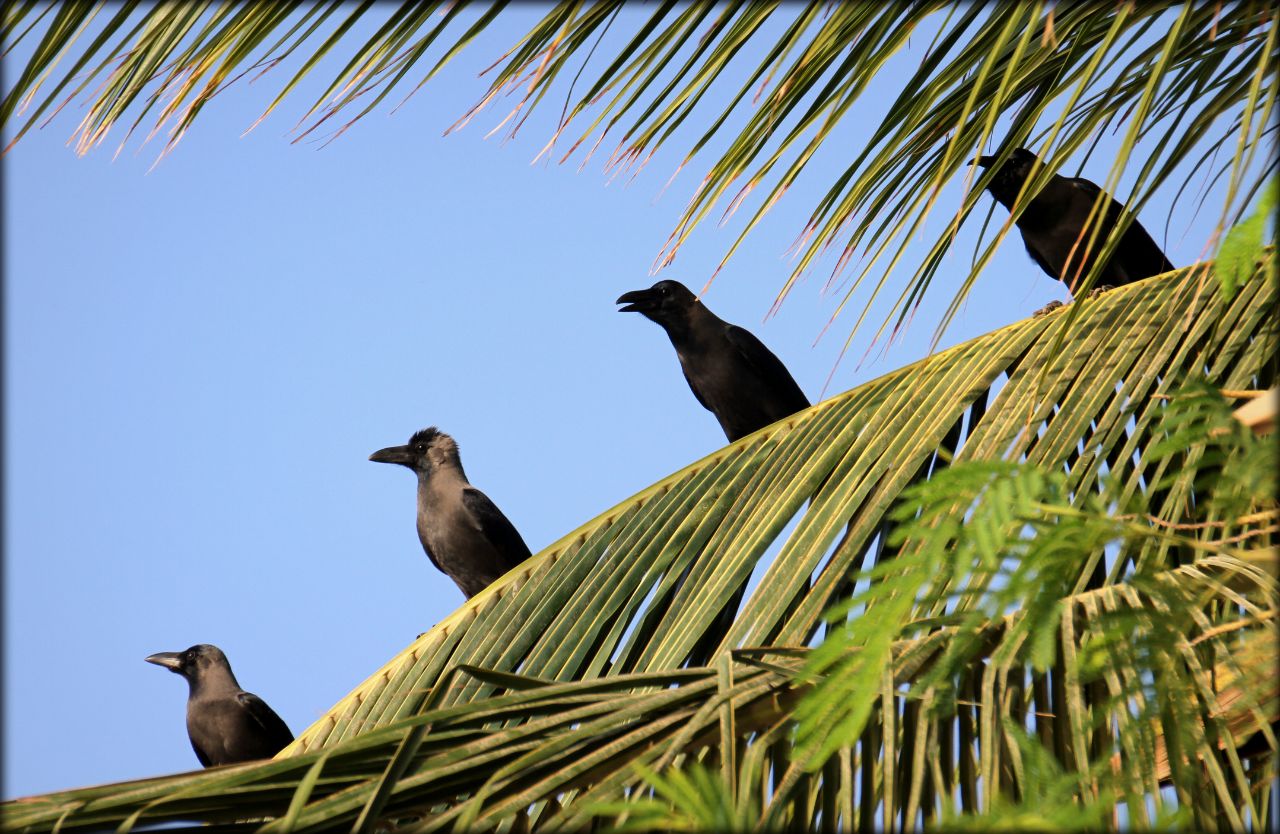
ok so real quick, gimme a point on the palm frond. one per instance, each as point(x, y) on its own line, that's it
point(768, 83)
point(564, 749)
point(540, 697)
point(613, 597)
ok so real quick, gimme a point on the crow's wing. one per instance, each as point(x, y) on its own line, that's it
point(274, 730)
point(495, 527)
point(768, 368)
point(1141, 255)
point(1137, 255)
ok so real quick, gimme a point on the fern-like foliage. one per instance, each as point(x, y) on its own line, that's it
point(987, 555)
point(988, 552)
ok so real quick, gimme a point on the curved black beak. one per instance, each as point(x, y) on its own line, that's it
point(393, 454)
point(169, 660)
point(984, 161)
point(636, 301)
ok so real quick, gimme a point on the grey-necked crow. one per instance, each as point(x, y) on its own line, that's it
point(1056, 233)
point(226, 724)
point(464, 534)
point(731, 372)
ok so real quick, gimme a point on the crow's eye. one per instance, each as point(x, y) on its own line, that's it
point(663, 290)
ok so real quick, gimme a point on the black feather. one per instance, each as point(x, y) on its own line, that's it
point(1056, 227)
point(731, 372)
point(496, 527)
point(424, 436)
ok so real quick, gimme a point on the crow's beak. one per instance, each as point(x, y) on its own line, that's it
point(984, 161)
point(169, 660)
point(393, 454)
point(637, 301)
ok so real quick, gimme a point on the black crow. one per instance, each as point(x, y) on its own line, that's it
point(1056, 230)
point(226, 724)
point(731, 372)
point(733, 375)
point(464, 534)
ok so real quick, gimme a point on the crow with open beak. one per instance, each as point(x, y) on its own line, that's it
point(733, 375)
point(731, 372)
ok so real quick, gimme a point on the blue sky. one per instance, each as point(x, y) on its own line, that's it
point(200, 359)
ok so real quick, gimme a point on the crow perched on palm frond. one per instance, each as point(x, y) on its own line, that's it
point(464, 534)
point(731, 372)
point(1056, 229)
point(226, 724)
point(733, 375)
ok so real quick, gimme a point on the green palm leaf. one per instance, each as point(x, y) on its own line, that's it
point(542, 697)
point(607, 598)
point(767, 82)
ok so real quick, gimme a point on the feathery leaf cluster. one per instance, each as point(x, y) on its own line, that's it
point(766, 84)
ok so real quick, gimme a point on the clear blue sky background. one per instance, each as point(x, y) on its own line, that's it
point(200, 359)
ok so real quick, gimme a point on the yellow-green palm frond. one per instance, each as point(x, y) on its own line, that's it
point(559, 687)
point(758, 88)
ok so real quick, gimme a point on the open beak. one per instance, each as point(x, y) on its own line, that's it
point(636, 301)
point(393, 454)
point(169, 660)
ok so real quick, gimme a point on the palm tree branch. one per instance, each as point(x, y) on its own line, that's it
point(986, 72)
